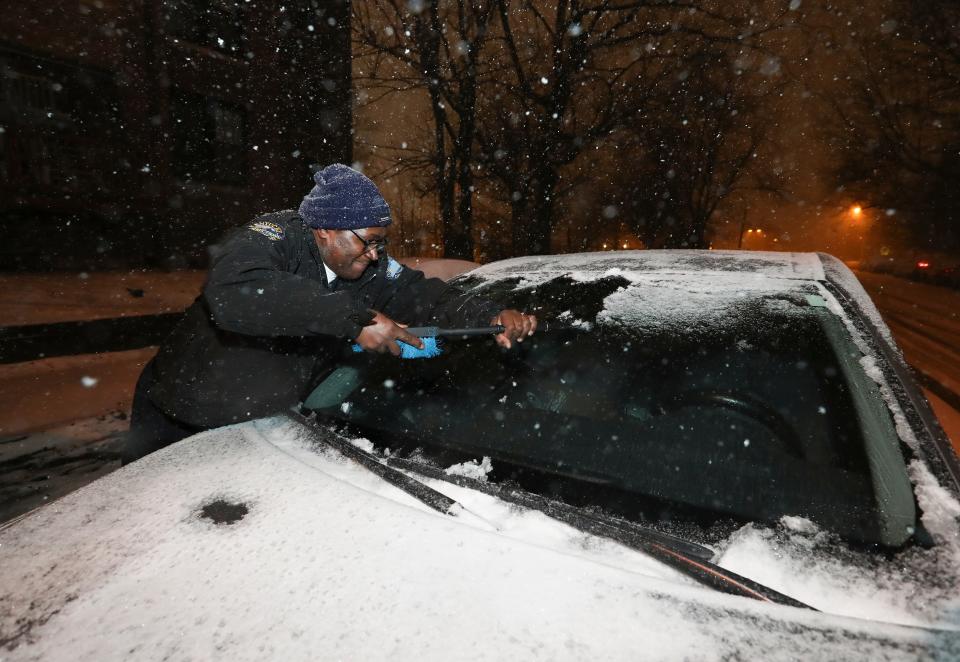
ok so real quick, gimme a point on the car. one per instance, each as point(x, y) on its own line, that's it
point(947, 275)
point(699, 455)
point(934, 267)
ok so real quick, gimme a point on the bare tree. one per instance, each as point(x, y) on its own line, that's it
point(696, 144)
point(576, 72)
point(438, 46)
point(520, 90)
point(896, 126)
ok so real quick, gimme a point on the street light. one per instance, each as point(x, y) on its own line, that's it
point(759, 231)
point(856, 210)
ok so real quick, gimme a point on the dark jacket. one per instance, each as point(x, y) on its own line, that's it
point(267, 324)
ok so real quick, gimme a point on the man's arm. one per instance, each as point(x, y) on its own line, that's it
point(415, 299)
point(250, 291)
point(412, 298)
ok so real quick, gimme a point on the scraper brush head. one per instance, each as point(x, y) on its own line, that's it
point(431, 349)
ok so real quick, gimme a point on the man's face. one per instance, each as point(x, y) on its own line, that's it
point(344, 252)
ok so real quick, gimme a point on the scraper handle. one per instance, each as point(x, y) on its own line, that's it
point(435, 331)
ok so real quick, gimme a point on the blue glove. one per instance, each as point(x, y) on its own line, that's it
point(431, 348)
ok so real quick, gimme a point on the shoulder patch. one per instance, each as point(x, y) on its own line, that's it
point(393, 269)
point(271, 231)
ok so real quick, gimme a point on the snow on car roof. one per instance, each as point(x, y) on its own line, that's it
point(802, 266)
point(715, 280)
point(329, 561)
point(669, 290)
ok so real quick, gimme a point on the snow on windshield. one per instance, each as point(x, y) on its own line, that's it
point(915, 587)
point(658, 302)
point(679, 289)
point(671, 289)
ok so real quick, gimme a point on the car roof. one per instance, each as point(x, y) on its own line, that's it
point(783, 265)
point(722, 277)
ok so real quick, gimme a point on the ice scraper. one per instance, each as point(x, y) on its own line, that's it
point(429, 335)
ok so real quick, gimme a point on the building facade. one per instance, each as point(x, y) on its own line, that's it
point(133, 132)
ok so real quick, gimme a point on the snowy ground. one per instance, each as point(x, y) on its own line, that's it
point(40, 395)
point(925, 320)
point(66, 297)
point(61, 419)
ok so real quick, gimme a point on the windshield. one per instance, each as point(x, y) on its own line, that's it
point(752, 421)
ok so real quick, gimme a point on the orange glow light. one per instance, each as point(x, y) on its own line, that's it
point(857, 210)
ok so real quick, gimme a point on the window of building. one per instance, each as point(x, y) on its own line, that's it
point(216, 24)
point(59, 119)
point(209, 142)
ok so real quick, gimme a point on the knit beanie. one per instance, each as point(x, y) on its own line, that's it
point(344, 199)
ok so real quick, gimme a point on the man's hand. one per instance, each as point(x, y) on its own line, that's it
point(382, 334)
point(517, 326)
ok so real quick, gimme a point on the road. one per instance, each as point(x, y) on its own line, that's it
point(62, 419)
point(925, 321)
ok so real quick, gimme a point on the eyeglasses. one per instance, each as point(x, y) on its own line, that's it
point(379, 244)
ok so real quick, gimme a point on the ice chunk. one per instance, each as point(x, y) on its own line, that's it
point(471, 469)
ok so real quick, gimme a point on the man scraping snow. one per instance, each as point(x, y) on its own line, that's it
point(284, 295)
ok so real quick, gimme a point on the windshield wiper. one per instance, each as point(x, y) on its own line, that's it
point(689, 558)
point(424, 493)
point(601, 524)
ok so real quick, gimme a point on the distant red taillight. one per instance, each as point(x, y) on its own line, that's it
point(923, 265)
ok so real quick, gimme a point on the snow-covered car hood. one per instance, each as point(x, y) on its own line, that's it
point(332, 562)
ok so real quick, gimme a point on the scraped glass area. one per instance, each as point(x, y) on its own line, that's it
point(762, 417)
